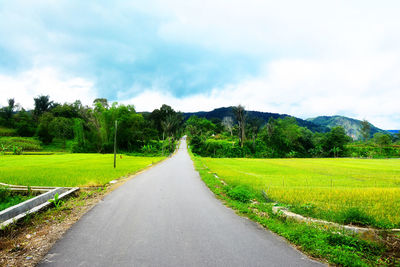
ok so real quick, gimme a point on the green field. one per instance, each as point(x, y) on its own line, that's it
point(358, 191)
point(68, 169)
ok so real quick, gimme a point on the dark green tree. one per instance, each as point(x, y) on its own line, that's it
point(7, 112)
point(61, 128)
point(365, 129)
point(42, 104)
point(43, 129)
point(382, 139)
point(24, 124)
point(240, 114)
point(334, 142)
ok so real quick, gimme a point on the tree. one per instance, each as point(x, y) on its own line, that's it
point(169, 124)
point(6, 113)
point(102, 101)
point(160, 115)
point(42, 104)
point(254, 124)
point(227, 122)
point(199, 126)
point(365, 129)
point(382, 139)
point(334, 142)
point(61, 128)
point(285, 138)
point(43, 129)
point(24, 124)
point(397, 135)
point(240, 115)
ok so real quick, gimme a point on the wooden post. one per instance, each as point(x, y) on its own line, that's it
point(115, 145)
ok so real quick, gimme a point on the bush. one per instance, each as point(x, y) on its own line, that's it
point(373, 151)
point(7, 132)
point(241, 193)
point(4, 193)
point(356, 216)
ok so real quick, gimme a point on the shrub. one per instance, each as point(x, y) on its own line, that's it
point(4, 193)
point(241, 193)
point(357, 217)
point(7, 132)
point(25, 143)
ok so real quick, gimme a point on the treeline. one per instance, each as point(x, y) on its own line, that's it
point(92, 129)
point(245, 136)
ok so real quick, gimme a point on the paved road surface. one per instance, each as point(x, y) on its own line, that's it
point(166, 216)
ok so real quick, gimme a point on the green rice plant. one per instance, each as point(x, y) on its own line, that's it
point(337, 247)
point(353, 191)
point(69, 169)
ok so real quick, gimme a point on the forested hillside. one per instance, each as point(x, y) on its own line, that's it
point(351, 126)
point(220, 113)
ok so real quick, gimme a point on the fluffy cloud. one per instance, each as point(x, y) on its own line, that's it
point(47, 81)
point(305, 58)
point(304, 88)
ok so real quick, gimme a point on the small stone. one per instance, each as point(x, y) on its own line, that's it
point(28, 236)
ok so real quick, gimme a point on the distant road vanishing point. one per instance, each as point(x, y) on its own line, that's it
point(166, 216)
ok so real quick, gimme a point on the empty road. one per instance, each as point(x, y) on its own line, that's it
point(166, 216)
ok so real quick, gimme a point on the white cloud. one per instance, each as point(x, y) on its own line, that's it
point(320, 57)
point(45, 81)
point(361, 88)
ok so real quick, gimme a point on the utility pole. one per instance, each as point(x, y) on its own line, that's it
point(115, 144)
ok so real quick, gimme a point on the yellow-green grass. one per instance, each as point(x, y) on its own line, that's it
point(323, 188)
point(68, 169)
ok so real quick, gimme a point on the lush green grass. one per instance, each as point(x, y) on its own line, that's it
point(8, 198)
point(13, 200)
point(358, 191)
point(68, 169)
point(337, 247)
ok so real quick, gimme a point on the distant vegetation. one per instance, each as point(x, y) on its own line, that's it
point(223, 132)
point(73, 127)
point(282, 137)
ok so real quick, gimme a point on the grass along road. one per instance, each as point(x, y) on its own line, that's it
point(358, 191)
point(68, 169)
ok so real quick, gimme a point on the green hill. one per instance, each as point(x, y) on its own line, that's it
point(351, 126)
point(220, 113)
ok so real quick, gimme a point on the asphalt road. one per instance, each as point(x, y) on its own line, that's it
point(166, 216)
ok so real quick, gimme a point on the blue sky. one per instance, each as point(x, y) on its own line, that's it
point(306, 59)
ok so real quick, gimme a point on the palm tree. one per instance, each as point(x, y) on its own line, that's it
point(168, 126)
point(240, 114)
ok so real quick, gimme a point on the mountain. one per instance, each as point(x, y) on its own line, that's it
point(393, 131)
point(351, 126)
point(220, 113)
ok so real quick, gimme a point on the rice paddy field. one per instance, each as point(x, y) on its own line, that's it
point(357, 191)
point(68, 169)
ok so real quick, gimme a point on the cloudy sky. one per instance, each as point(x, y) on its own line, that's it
point(304, 58)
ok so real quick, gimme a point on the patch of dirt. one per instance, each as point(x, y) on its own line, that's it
point(27, 242)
